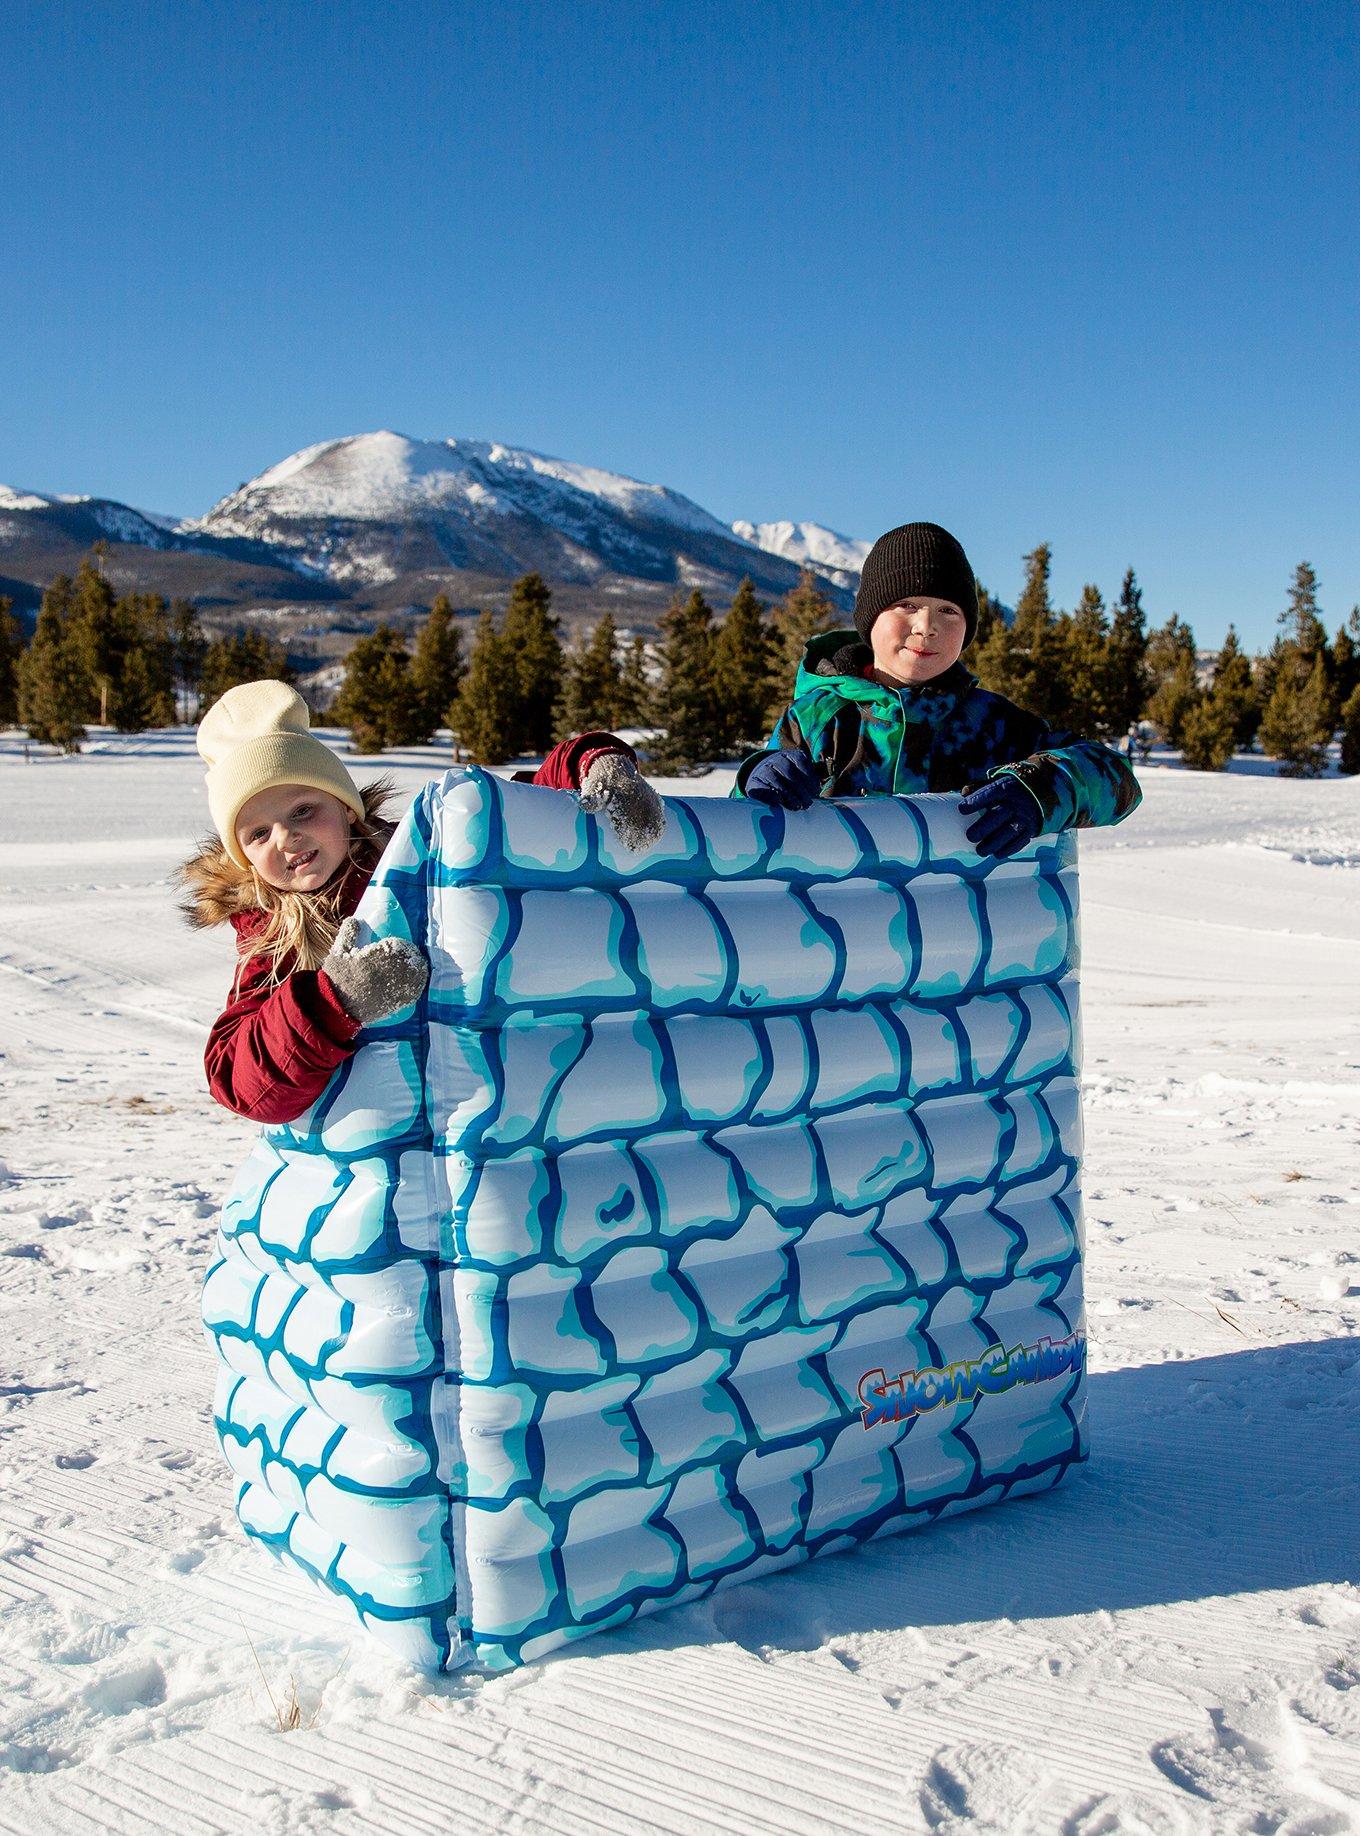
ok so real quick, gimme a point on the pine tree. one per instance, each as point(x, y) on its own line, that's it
point(135, 703)
point(1086, 668)
point(98, 631)
point(1268, 666)
point(1346, 659)
point(158, 642)
point(246, 656)
point(995, 661)
point(635, 689)
point(741, 671)
point(437, 667)
point(989, 615)
point(142, 693)
point(1038, 640)
point(1280, 725)
point(54, 687)
point(1300, 646)
point(1168, 645)
point(483, 712)
point(1300, 620)
point(1207, 734)
point(533, 642)
point(592, 682)
point(376, 697)
point(1346, 656)
point(1351, 632)
point(685, 703)
point(1318, 713)
point(803, 613)
point(11, 649)
point(1235, 690)
point(1127, 685)
point(1350, 733)
point(190, 647)
point(1175, 698)
point(1295, 728)
point(1034, 608)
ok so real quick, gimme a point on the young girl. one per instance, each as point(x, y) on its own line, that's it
point(297, 842)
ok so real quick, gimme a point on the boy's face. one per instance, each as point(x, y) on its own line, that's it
point(917, 639)
point(293, 836)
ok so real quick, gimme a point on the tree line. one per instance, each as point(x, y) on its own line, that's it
point(713, 689)
point(709, 689)
point(130, 662)
point(1098, 671)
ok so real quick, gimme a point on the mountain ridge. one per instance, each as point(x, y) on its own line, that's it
point(378, 523)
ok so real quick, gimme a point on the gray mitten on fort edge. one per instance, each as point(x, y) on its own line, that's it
point(614, 787)
point(376, 979)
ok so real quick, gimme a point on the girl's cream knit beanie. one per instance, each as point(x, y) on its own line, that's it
point(255, 737)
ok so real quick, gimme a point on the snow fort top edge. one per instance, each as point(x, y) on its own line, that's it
point(715, 1207)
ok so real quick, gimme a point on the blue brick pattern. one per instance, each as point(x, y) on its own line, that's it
point(683, 1230)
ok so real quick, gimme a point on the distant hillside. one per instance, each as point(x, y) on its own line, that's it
point(344, 532)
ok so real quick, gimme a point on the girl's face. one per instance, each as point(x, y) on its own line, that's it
point(293, 836)
point(917, 639)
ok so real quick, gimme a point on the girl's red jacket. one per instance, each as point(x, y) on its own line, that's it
point(273, 1048)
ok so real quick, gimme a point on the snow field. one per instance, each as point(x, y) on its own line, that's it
point(1169, 1642)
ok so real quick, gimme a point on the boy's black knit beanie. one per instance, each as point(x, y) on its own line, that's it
point(916, 558)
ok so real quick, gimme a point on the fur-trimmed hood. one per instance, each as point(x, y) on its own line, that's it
point(220, 892)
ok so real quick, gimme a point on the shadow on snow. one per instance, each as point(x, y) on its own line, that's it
point(1208, 1476)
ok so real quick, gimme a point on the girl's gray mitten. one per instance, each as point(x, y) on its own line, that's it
point(376, 979)
point(614, 787)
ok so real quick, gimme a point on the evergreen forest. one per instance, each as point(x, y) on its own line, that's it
point(706, 689)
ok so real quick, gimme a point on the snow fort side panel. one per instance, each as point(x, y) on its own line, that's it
point(324, 1305)
point(761, 1157)
point(735, 1192)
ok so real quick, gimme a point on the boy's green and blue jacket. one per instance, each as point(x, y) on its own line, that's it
point(945, 735)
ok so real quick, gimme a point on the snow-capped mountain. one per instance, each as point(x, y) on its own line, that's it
point(838, 557)
point(371, 508)
point(114, 521)
point(379, 522)
point(384, 476)
point(42, 536)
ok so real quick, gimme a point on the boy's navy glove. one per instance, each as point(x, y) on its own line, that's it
point(1007, 817)
point(787, 778)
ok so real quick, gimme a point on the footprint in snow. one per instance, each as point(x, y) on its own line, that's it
point(1248, 1767)
point(90, 1644)
point(1331, 1699)
point(138, 1685)
point(990, 1786)
point(1330, 1610)
point(39, 1756)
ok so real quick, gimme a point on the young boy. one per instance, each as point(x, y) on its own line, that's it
point(896, 712)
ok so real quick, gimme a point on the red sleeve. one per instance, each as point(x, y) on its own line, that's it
point(271, 1052)
point(568, 763)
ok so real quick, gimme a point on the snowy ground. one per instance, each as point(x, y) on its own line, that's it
point(1170, 1641)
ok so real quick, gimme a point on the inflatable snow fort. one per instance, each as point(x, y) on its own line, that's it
point(716, 1208)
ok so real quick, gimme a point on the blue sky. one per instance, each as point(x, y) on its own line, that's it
point(1078, 273)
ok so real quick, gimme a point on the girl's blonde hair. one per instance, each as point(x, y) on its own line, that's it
point(301, 926)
